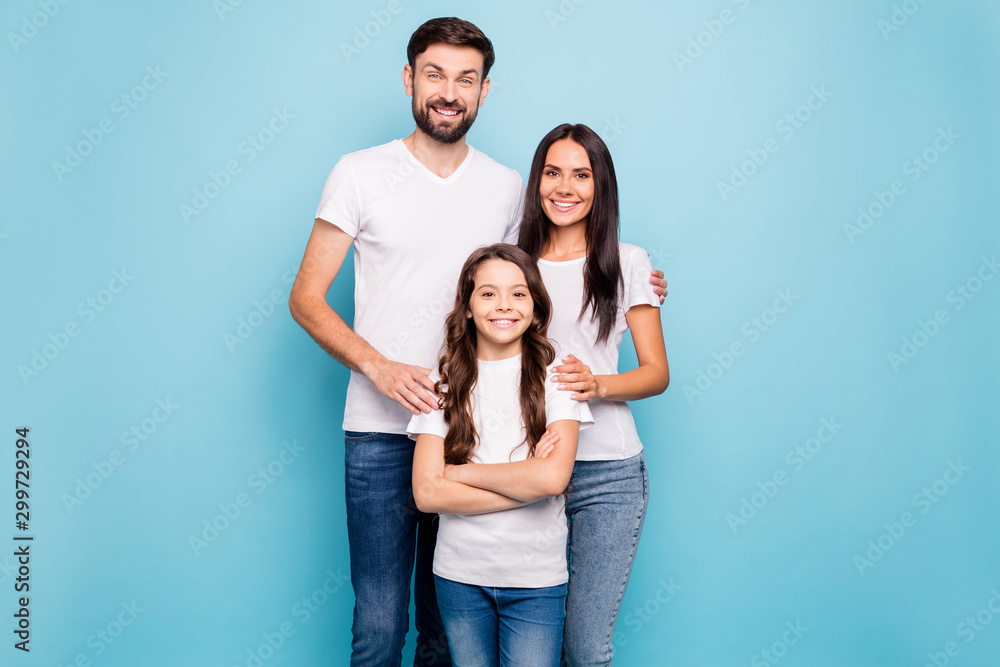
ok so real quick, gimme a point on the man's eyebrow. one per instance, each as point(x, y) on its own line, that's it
point(464, 72)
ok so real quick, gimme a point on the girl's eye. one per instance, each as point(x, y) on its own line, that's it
point(520, 294)
point(486, 294)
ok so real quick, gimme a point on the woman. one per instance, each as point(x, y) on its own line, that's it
point(599, 288)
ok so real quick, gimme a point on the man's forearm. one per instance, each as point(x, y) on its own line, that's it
point(332, 334)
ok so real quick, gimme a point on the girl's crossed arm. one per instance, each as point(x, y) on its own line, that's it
point(433, 493)
point(530, 480)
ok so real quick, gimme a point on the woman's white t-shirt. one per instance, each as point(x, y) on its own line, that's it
point(613, 436)
point(523, 547)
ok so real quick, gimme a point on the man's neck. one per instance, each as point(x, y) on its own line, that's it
point(441, 159)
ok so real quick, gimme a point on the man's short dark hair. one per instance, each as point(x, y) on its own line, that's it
point(452, 31)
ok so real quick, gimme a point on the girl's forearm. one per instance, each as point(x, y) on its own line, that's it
point(528, 481)
point(443, 496)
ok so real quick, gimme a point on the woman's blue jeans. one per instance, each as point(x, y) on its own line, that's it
point(385, 530)
point(502, 627)
point(606, 509)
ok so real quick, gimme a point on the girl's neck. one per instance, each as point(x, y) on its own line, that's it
point(486, 351)
point(565, 243)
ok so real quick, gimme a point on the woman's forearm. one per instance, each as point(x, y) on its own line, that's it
point(650, 379)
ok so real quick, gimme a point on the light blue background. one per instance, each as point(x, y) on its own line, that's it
point(675, 132)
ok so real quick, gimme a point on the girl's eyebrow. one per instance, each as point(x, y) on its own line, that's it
point(485, 285)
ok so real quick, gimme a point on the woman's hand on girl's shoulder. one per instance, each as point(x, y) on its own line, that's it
point(574, 375)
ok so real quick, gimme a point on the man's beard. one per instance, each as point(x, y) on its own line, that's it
point(446, 134)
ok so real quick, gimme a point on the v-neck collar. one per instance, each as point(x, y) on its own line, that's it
point(437, 179)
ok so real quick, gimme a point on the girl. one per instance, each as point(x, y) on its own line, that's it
point(500, 560)
point(599, 288)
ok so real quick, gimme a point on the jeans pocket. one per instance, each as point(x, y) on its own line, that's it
point(360, 436)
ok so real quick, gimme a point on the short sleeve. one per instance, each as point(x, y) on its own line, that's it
point(514, 226)
point(638, 289)
point(339, 202)
point(559, 405)
point(432, 423)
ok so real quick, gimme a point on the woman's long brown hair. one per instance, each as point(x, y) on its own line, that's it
point(459, 368)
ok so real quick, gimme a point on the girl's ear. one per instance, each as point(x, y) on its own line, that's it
point(468, 314)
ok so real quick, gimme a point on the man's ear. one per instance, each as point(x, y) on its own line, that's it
point(485, 89)
point(408, 80)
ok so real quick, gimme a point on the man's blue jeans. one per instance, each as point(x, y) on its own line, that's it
point(502, 627)
point(606, 507)
point(385, 530)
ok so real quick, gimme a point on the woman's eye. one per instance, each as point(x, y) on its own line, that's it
point(583, 176)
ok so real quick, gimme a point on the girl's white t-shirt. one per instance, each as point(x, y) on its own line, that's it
point(613, 436)
point(523, 547)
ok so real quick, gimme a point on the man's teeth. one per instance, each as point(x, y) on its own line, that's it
point(446, 112)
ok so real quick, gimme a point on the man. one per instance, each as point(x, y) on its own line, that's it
point(413, 209)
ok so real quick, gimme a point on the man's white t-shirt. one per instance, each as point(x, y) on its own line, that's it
point(412, 232)
point(613, 436)
point(523, 547)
